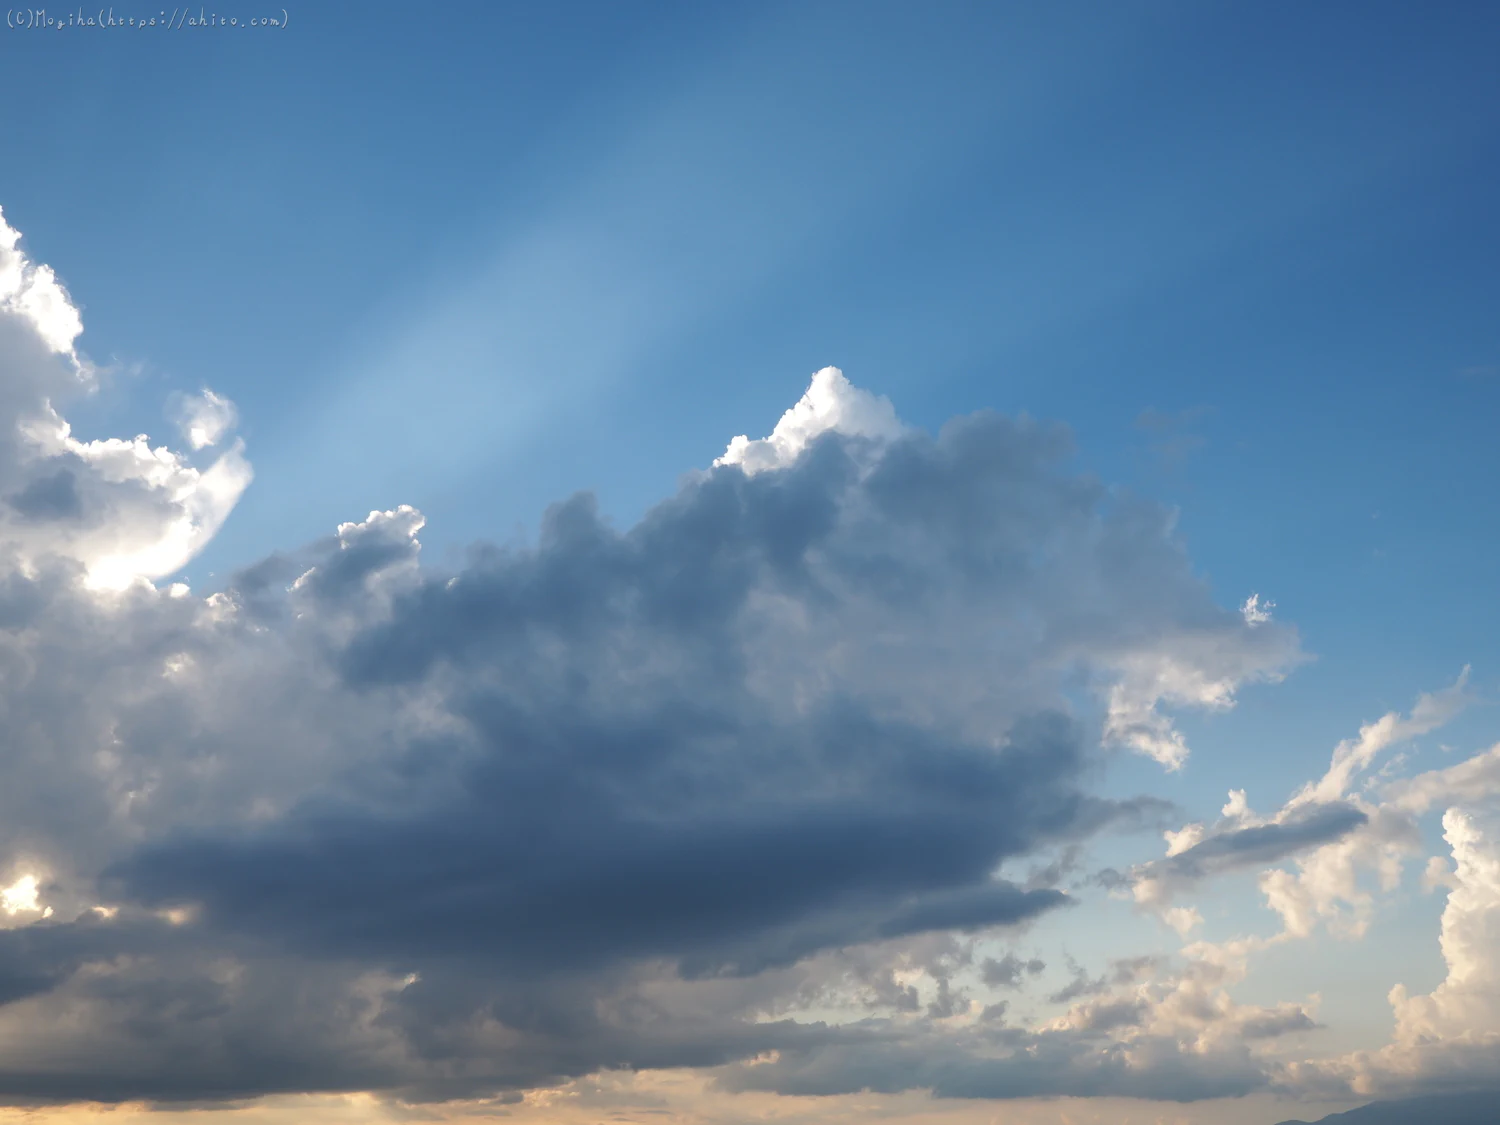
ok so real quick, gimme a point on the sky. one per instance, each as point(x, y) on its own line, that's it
point(710, 563)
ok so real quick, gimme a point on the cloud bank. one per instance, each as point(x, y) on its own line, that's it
point(665, 796)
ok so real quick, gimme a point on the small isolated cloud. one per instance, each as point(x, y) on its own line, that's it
point(1010, 971)
point(1255, 611)
point(204, 419)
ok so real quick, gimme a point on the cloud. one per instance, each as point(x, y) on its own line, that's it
point(1008, 971)
point(1326, 885)
point(204, 418)
point(632, 798)
point(1282, 1021)
point(1187, 999)
point(123, 509)
point(1448, 1039)
point(1193, 856)
point(1473, 780)
point(1255, 611)
point(528, 885)
point(21, 897)
point(1149, 1027)
point(831, 405)
point(1188, 669)
point(1352, 756)
point(1467, 1002)
point(30, 293)
point(1331, 835)
point(1005, 1064)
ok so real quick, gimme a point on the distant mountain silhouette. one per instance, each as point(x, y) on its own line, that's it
point(1439, 1109)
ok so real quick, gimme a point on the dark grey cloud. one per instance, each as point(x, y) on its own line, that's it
point(594, 800)
point(1275, 1023)
point(619, 787)
point(1235, 849)
point(1008, 971)
point(534, 868)
point(52, 497)
point(948, 1002)
point(1308, 827)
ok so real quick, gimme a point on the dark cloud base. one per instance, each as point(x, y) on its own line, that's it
point(448, 835)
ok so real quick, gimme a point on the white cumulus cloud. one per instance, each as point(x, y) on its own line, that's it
point(205, 419)
point(831, 404)
point(123, 509)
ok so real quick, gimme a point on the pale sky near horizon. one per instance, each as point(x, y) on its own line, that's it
point(806, 562)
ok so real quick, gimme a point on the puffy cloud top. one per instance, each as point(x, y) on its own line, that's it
point(122, 509)
point(831, 405)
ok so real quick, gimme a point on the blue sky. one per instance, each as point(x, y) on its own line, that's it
point(476, 259)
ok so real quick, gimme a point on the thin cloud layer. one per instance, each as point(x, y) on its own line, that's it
point(205, 418)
